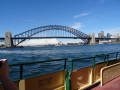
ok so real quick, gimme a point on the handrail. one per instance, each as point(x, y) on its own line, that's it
point(81, 59)
point(43, 61)
point(69, 73)
point(106, 59)
point(108, 55)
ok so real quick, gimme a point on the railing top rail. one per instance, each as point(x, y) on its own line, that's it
point(41, 61)
point(112, 53)
point(100, 55)
point(105, 56)
point(80, 59)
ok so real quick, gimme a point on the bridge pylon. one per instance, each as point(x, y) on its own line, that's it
point(8, 39)
point(92, 40)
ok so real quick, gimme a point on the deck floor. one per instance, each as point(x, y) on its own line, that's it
point(112, 85)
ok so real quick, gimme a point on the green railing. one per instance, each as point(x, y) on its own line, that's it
point(69, 73)
point(105, 56)
point(43, 61)
point(105, 59)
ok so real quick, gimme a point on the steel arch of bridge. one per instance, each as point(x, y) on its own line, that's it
point(34, 31)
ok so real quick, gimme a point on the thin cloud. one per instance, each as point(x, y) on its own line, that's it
point(90, 21)
point(81, 15)
point(77, 25)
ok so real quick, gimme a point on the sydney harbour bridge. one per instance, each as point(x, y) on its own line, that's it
point(49, 31)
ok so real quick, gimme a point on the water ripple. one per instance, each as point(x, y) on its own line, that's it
point(28, 54)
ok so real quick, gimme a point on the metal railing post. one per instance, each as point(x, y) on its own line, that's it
point(65, 64)
point(68, 74)
point(94, 62)
point(21, 71)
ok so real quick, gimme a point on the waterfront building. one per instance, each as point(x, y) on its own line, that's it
point(60, 43)
point(99, 35)
point(105, 42)
point(108, 35)
point(113, 36)
point(117, 35)
point(102, 34)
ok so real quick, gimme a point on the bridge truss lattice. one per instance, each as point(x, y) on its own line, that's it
point(51, 31)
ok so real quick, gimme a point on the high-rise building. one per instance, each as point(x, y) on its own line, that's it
point(108, 35)
point(99, 35)
point(117, 35)
point(102, 34)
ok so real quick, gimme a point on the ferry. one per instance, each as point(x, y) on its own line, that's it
point(103, 73)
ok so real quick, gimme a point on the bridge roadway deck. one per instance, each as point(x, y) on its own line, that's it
point(47, 37)
point(2, 38)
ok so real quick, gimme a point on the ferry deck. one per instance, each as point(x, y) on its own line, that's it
point(102, 73)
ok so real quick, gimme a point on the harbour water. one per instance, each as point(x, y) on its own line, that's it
point(29, 54)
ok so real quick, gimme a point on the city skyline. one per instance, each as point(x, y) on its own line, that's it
point(88, 16)
point(108, 35)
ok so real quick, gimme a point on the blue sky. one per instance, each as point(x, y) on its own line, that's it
point(88, 16)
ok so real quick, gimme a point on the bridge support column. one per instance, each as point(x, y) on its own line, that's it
point(8, 39)
point(92, 41)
